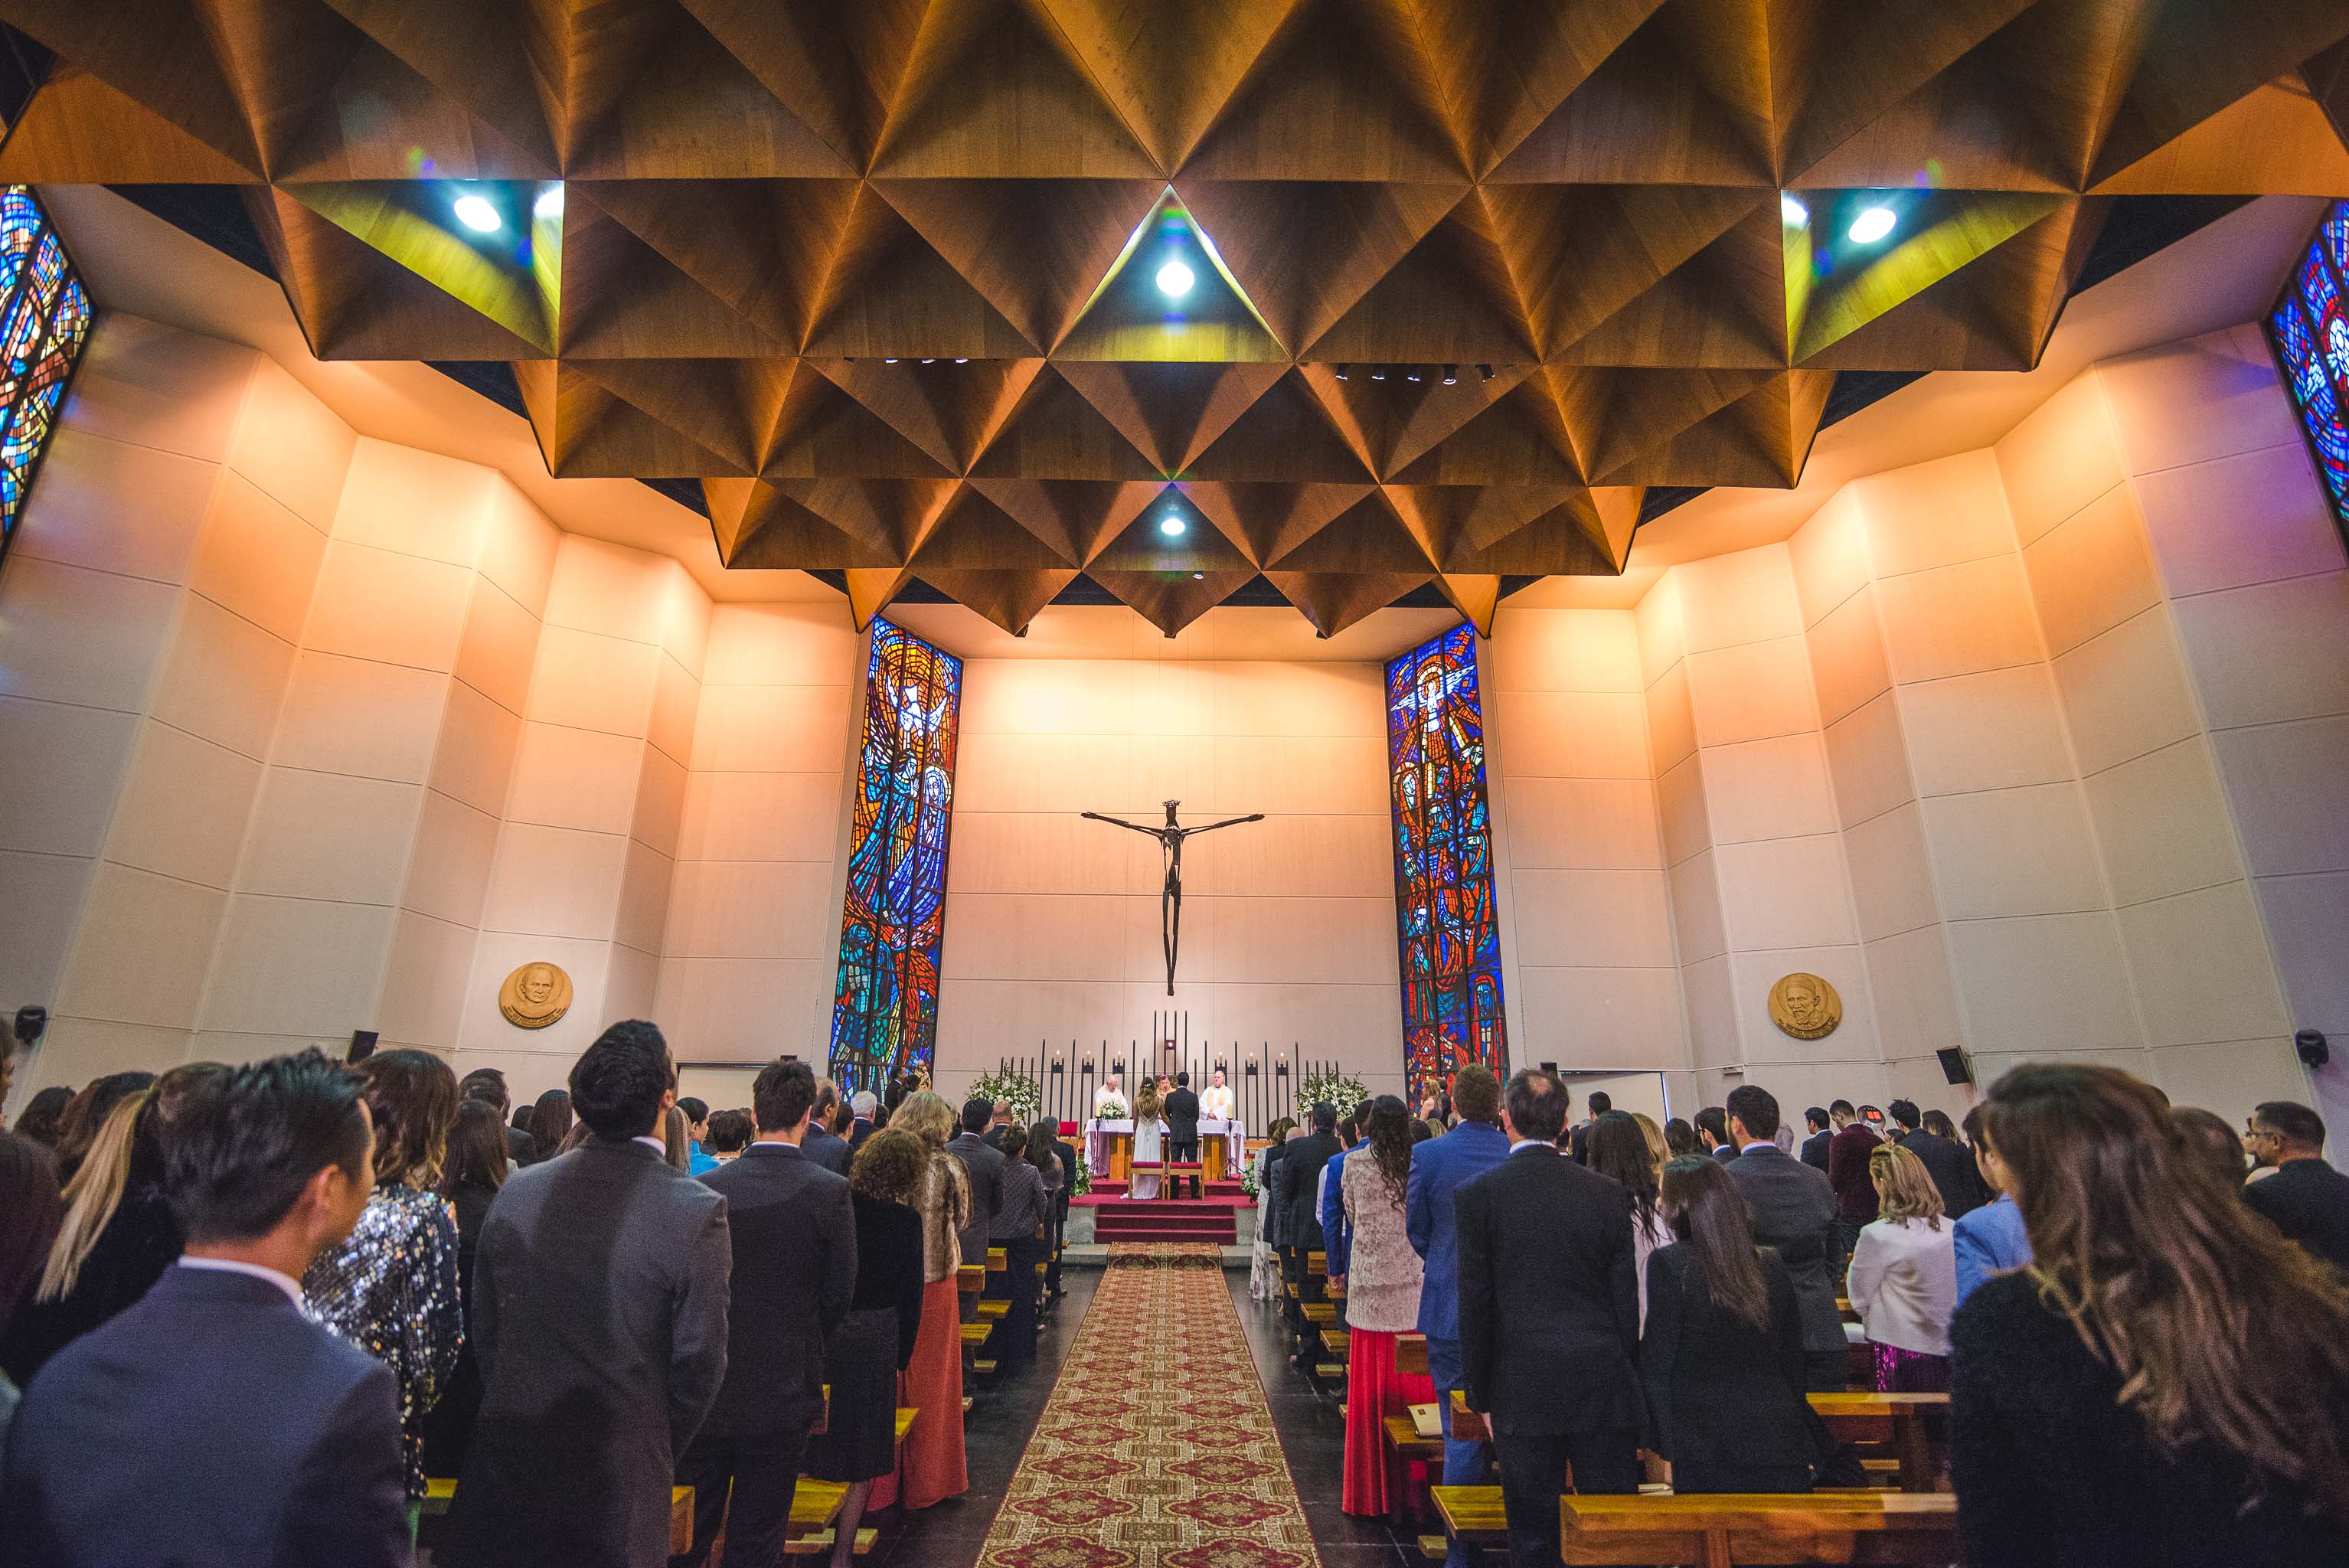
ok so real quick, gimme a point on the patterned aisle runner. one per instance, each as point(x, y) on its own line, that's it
point(1157, 1449)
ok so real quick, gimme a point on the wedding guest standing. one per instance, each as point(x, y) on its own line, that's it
point(601, 1328)
point(982, 1163)
point(391, 1287)
point(1722, 1351)
point(935, 1467)
point(2165, 1384)
point(1018, 1230)
point(1382, 1279)
point(1992, 1238)
point(1904, 1277)
point(1618, 1149)
point(550, 1124)
point(477, 1167)
point(1795, 1214)
point(874, 1343)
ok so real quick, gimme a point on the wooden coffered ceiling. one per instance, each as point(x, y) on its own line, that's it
point(1470, 275)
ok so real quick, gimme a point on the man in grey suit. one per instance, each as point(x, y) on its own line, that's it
point(794, 1243)
point(599, 1319)
point(1795, 1211)
point(983, 1162)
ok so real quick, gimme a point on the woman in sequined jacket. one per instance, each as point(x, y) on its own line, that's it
point(391, 1289)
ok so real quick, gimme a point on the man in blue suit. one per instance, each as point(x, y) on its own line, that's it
point(1440, 1168)
point(213, 1425)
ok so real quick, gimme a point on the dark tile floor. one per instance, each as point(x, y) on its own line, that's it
point(1313, 1439)
point(949, 1534)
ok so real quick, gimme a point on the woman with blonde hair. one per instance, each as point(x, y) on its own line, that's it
point(934, 1470)
point(1903, 1281)
point(118, 1234)
point(391, 1287)
point(1658, 1152)
point(2167, 1381)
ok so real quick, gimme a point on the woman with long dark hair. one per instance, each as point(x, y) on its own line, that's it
point(2166, 1382)
point(391, 1288)
point(550, 1123)
point(1722, 1351)
point(39, 1119)
point(1680, 1139)
point(477, 1166)
point(1382, 1276)
point(1618, 1147)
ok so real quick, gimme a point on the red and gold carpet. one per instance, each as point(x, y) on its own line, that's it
point(1157, 1449)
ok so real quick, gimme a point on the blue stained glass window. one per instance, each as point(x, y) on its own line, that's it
point(43, 317)
point(1447, 918)
point(885, 1006)
point(2310, 329)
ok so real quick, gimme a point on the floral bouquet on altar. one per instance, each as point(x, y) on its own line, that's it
point(1026, 1100)
point(1346, 1093)
point(1110, 1111)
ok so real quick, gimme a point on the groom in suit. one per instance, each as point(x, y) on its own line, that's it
point(1183, 1126)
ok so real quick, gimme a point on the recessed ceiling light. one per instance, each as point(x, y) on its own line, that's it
point(549, 203)
point(1175, 280)
point(1198, 577)
point(478, 214)
point(1173, 526)
point(1791, 210)
point(962, 359)
point(888, 359)
point(1872, 224)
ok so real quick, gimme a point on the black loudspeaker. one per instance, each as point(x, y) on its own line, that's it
point(2309, 1043)
point(1550, 1068)
point(32, 1023)
point(1954, 1066)
point(362, 1046)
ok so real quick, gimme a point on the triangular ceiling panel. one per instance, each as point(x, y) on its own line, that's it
point(81, 129)
point(1393, 414)
point(1172, 413)
point(1511, 63)
point(949, 408)
point(1452, 298)
point(1284, 435)
point(1335, 601)
point(764, 248)
point(1056, 433)
point(1522, 438)
point(1367, 537)
point(1265, 522)
point(1455, 523)
point(887, 293)
point(1166, 295)
point(1836, 286)
point(1168, 70)
point(1172, 580)
point(1075, 519)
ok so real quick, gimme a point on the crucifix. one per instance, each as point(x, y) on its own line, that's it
point(1170, 844)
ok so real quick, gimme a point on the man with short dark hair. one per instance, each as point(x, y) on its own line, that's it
point(1439, 1168)
point(212, 1422)
point(1820, 1135)
point(1598, 1105)
point(1296, 1184)
point(1993, 1238)
point(823, 1145)
point(598, 1316)
point(1855, 1191)
point(1712, 1133)
point(983, 1163)
point(1944, 1159)
point(2306, 1199)
point(1182, 1112)
point(793, 1240)
point(1549, 1321)
point(488, 1085)
point(1795, 1213)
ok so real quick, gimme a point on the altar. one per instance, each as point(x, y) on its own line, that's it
point(1109, 1147)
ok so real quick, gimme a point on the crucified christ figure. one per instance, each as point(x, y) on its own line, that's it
point(1170, 844)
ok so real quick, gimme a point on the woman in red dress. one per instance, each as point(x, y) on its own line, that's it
point(1383, 1276)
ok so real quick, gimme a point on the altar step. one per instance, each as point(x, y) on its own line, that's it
point(1229, 1192)
point(1166, 1220)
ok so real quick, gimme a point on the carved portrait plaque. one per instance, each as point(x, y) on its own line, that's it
point(1804, 1006)
point(534, 995)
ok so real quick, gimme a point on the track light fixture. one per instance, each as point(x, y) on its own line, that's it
point(1452, 375)
point(1379, 373)
point(1342, 373)
point(1413, 376)
point(1485, 371)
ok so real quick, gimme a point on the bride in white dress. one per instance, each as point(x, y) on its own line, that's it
point(1146, 1135)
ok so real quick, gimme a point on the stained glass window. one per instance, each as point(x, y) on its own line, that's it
point(1446, 917)
point(885, 1006)
point(2311, 332)
point(42, 324)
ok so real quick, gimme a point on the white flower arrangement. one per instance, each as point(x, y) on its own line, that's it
point(1346, 1093)
point(1110, 1110)
point(1026, 1100)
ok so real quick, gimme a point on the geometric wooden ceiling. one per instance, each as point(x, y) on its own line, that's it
point(1466, 274)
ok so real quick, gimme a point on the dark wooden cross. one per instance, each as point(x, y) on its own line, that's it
point(1170, 844)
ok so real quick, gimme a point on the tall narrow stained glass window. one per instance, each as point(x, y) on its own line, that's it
point(2310, 329)
point(1446, 915)
point(43, 317)
point(885, 1006)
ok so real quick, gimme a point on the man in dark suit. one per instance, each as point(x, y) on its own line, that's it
point(599, 1320)
point(1599, 1103)
point(213, 1423)
point(1821, 1134)
point(820, 1144)
point(1550, 1320)
point(998, 1120)
point(1945, 1160)
point(1793, 1212)
point(2306, 1199)
point(488, 1085)
point(1181, 1111)
point(1712, 1133)
point(1439, 1168)
point(1299, 1176)
point(794, 1250)
point(983, 1163)
point(863, 1106)
point(1067, 1153)
point(1854, 1192)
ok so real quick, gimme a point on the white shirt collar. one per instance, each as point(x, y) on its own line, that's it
point(287, 1282)
point(1759, 1143)
point(1517, 1143)
point(657, 1144)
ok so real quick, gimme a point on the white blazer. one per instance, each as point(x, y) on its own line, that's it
point(1904, 1283)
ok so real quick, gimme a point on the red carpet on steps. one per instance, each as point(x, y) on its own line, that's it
point(1212, 1219)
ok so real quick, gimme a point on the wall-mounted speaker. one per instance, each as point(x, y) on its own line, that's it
point(2313, 1047)
point(1954, 1065)
point(362, 1046)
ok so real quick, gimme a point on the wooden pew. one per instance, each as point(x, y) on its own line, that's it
point(1472, 1514)
point(440, 1492)
point(1468, 1425)
point(1734, 1528)
point(807, 1541)
point(1899, 1426)
point(1404, 1445)
point(1411, 1354)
